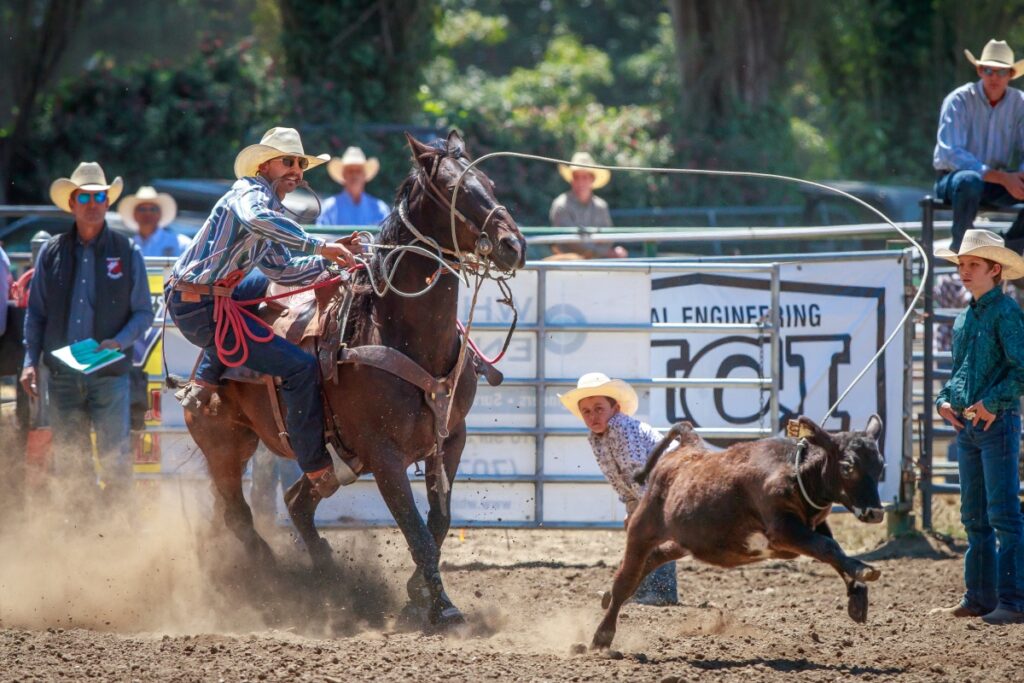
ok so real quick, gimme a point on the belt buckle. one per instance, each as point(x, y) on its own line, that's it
point(969, 414)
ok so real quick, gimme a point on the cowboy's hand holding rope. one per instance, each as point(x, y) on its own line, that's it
point(343, 251)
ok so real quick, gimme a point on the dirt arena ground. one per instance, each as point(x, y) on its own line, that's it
point(108, 602)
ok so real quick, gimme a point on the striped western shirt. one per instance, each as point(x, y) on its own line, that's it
point(244, 229)
point(975, 136)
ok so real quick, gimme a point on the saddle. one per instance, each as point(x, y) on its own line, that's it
point(315, 320)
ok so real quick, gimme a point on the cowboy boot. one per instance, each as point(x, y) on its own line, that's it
point(199, 398)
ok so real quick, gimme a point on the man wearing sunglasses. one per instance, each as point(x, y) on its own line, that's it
point(248, 234)
point(89, 283)
point(981, 131)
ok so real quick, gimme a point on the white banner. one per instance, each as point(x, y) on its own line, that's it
point(833, 317)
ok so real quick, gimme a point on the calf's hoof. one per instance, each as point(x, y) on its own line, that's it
point(867, 573)
point(857, 605)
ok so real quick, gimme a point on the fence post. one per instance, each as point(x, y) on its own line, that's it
point(927, 243)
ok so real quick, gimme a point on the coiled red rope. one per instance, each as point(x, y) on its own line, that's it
point(229, 316)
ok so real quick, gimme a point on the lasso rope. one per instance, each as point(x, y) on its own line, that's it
point(730, 174)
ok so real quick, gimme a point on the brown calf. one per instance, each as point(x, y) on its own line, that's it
point(745, 504)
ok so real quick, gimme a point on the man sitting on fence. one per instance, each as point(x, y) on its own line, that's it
point(981, 129)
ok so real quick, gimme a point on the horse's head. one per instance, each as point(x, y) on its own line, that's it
point(482, 225)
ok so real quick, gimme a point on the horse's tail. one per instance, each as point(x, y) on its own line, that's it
point(677, 430)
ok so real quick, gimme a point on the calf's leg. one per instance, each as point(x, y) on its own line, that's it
point(856, 591)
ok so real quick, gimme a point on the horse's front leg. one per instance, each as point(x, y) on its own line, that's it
point(396, 491)
point(439, 517)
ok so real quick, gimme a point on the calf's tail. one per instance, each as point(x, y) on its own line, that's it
point(677, 430)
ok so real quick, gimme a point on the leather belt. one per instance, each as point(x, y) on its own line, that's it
point(202, 290)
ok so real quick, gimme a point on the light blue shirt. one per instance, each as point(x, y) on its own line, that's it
point(163, 242)
point(341, 210)
point(5, 286)
point(82, 311)
point(975, 136)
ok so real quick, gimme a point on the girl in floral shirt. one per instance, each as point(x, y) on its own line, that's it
point(621, 444)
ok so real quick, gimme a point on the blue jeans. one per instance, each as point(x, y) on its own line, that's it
point(966, 191)
point(990, 512)
point(82, 403)
point(300, 376)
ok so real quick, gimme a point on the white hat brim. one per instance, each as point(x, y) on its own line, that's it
point(336, 166)
point(1011, 261)
point(1018, 66)
point(168, 209)
point(61, 190)
point(248, 161)
point(623, 394)
point(602, 176)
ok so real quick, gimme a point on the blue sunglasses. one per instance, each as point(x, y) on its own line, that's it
point(990, 71)
point(86, 197)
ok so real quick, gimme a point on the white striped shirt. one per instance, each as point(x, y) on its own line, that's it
point(975, 136)
point(246, 229)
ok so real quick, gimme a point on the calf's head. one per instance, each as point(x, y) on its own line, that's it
point(856, 463)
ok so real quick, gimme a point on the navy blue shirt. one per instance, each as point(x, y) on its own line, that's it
point(83, 303)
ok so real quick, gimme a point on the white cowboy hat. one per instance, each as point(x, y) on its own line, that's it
point(147, 195)
point(988, 245)
point(998, 54)
point(598, 384)
point(601, 175)
point(276, 142)
point(88, 176)
point(353, 156)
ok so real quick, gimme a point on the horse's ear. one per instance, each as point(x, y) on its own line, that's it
point(456, 146)
point(419, 150)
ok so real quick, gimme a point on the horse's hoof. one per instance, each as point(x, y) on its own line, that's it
point(857, 606)
point(448, 617)
point(606, 599)
point(602, 640)
point(867, 573)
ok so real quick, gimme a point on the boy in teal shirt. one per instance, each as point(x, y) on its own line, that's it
point(982, 402)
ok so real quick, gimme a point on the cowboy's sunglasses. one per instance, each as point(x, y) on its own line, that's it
point(991, 71)
point(147, 208)
point(302, 161)
point(85, 197)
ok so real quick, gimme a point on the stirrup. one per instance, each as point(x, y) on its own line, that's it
point(324, 482)
point(198, 399)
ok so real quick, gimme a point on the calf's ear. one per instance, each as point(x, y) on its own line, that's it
point(818, 436)
point(874, 428)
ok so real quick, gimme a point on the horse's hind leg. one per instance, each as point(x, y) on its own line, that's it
point(227, 446)
point(302, 502)
point(397, 493)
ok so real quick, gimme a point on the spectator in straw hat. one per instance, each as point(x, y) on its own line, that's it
point(148, 213)
point(353, 205)
point(580, 207)
point(981, 130)
point(89, 283)
point(981, 400)
point(621, 444)
point(246, 242)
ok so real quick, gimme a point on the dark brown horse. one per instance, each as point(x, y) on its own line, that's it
point(383, 419)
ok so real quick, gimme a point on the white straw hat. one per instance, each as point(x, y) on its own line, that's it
point(998, 54)
point(276, 142)
point(988, 245)
point(601, 175)
point(598, 384)
point(147, 195)
point(88, 176)
point(353, 156)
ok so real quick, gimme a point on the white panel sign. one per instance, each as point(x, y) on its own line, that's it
point(833, 320)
